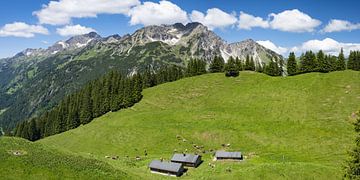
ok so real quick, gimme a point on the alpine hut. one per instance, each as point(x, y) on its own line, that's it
point(189, 160)
point(166, 168)
point(222, 155)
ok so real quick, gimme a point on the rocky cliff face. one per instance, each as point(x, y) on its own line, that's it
point(198, 41)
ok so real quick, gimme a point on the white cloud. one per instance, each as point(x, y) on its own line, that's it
point(21, 29)
point(61, 12)
point(214, 18)
point(328, 45)
point(293, 21)
point(336, 25)
point(248, 21)
point(270, 45)
point(164, 12)
point(74, 30)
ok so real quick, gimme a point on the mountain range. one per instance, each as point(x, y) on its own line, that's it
point(34, 80)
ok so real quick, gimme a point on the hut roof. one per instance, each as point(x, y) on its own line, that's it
point(167, 166)
point(187, 158)
point(223, 154)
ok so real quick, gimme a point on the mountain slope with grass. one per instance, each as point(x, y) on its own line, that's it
point(296, 127)
point(21, 159)
point(35, 80)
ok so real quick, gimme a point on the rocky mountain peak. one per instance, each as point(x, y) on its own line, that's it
point(112, 39)
point(82, 40)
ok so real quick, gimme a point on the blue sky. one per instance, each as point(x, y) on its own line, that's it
point(41, 23)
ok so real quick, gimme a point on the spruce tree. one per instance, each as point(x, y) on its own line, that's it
point(357, 61)
point(19, 129)
point(332, 60)
point(308, 62)
point(259, 67)
point(354, 60)
point(273, 68)
point(86, 106)
point(341, 61)
point(25, 130)
point(351, 60)
point(324, 65)
point(230, 68)
point(32, 131)
point(217, 65)
point(137, 88)
point(291, 64)
point(252, 64)
point(247, 63)
point(239, 64)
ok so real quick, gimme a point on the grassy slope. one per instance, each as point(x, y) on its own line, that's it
point(297, 127)
point(39, 162)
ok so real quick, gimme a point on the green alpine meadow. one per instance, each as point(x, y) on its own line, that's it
point(169, 89)
point(296, 127)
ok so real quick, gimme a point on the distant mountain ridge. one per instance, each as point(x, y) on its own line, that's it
point(34, 80)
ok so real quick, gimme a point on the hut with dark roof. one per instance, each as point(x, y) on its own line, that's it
point(166, 168)
point(190, 160)
point(222, 155)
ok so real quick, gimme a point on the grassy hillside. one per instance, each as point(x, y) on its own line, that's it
point(287, 127)
point(21, 159)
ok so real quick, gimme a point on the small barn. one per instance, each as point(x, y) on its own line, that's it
point(222, 155)
point(166, 168)
point(190, 160)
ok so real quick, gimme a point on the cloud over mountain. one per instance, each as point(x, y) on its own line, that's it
point(150, 13)
point(336, 25)
point(72, 30)
point(214, 18)
point(328, 45)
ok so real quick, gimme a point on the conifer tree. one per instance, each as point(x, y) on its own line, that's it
point(252, 64)
point(272, 68)
point(332, 62)
point(86, 106)
point(324, 65)
point(351, 60)
point(217, 65)
point(308, 62)
point(260, 67)
point(239, 64)
point(230, 68)
point(341, 61)
point(32, 131)
point(19, 129)
point(291, 64)
point(25, 130)
point(354, 60)
point(247, 63)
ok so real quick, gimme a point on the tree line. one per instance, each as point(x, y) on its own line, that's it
point(320, 62)
point(111, 92)
point(308, 62)
point(234, 65)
